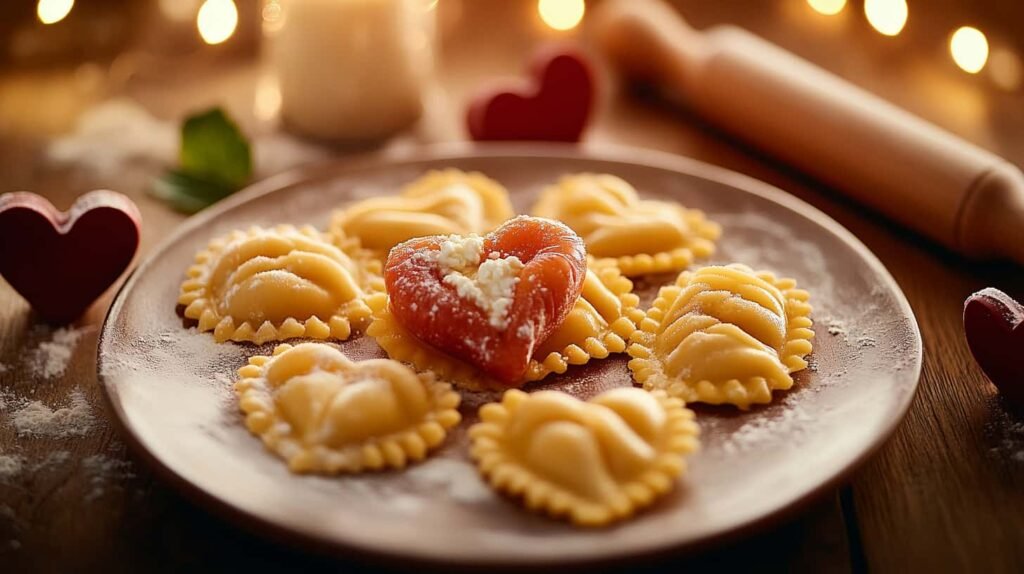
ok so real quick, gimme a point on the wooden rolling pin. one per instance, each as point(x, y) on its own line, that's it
point(916, 173)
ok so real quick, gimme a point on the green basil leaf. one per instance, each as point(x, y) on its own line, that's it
point(188, 193)
point(213, 149)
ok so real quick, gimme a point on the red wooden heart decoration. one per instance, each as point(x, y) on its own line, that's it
point(545, 290)
point(994, 325)
point(553, 106)
point(61, 262)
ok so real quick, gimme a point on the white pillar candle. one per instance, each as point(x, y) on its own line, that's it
point(351, 70)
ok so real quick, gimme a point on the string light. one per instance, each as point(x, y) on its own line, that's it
point(53, 11)
point(827, 7)
point(969, 48)
point(561, 14)
point(217, 20)
point(887, 16)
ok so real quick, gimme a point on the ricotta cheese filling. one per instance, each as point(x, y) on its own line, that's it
point(488, 282)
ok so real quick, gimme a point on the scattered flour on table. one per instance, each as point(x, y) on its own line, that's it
point(50, 359)
point(119, 133)
point(102, 470)
point(114, 134)
point(1008, 432)
point(35, 419)
point(11, 466)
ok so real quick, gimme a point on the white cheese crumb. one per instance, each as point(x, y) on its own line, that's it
point(490, 286)
point(460, 252)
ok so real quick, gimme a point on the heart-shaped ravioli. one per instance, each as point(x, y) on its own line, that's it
point(595, 462)
point(323, 412)
point(273, 284)
point(639, 236)
point(724, 334)
point(439, 203)
point(601, 322)
point(489, 301)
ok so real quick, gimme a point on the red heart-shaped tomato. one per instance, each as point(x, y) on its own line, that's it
point(994, 325)
point(506, 294)
point(61, 262)
point(553, 106)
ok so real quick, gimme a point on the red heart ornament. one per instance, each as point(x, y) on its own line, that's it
point(61, 262)
point(553, 106)
point(994, 325)
point(445, 314)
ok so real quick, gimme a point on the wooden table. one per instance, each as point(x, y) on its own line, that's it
point(945, 493)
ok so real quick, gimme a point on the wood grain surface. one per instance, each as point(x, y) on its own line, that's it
point(945, 494)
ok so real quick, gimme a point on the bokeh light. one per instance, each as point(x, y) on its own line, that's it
point(267, 101)
point(969, 48)
point(1004, 67)
point(827, 7)
point(561, 14)
point(887, 16)
point(217, 20)
point(178, 10)
point(53, 11)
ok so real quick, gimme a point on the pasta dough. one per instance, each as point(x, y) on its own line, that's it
point(439, 203)
point(724, 335)
point(600, 323)
point(274, 284)
point(594, 462)
point(639, 236)
point(322, 412)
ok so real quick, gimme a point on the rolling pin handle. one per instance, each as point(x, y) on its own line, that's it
point(992, 222)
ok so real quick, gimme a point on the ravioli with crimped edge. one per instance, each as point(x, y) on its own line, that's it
point(724, 335)
point(322, 412)
point(442, 202)
point(273, 284)
point(594, 462)
point(639, 236)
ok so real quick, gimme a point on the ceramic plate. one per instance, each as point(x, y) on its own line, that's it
point(171, 386)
